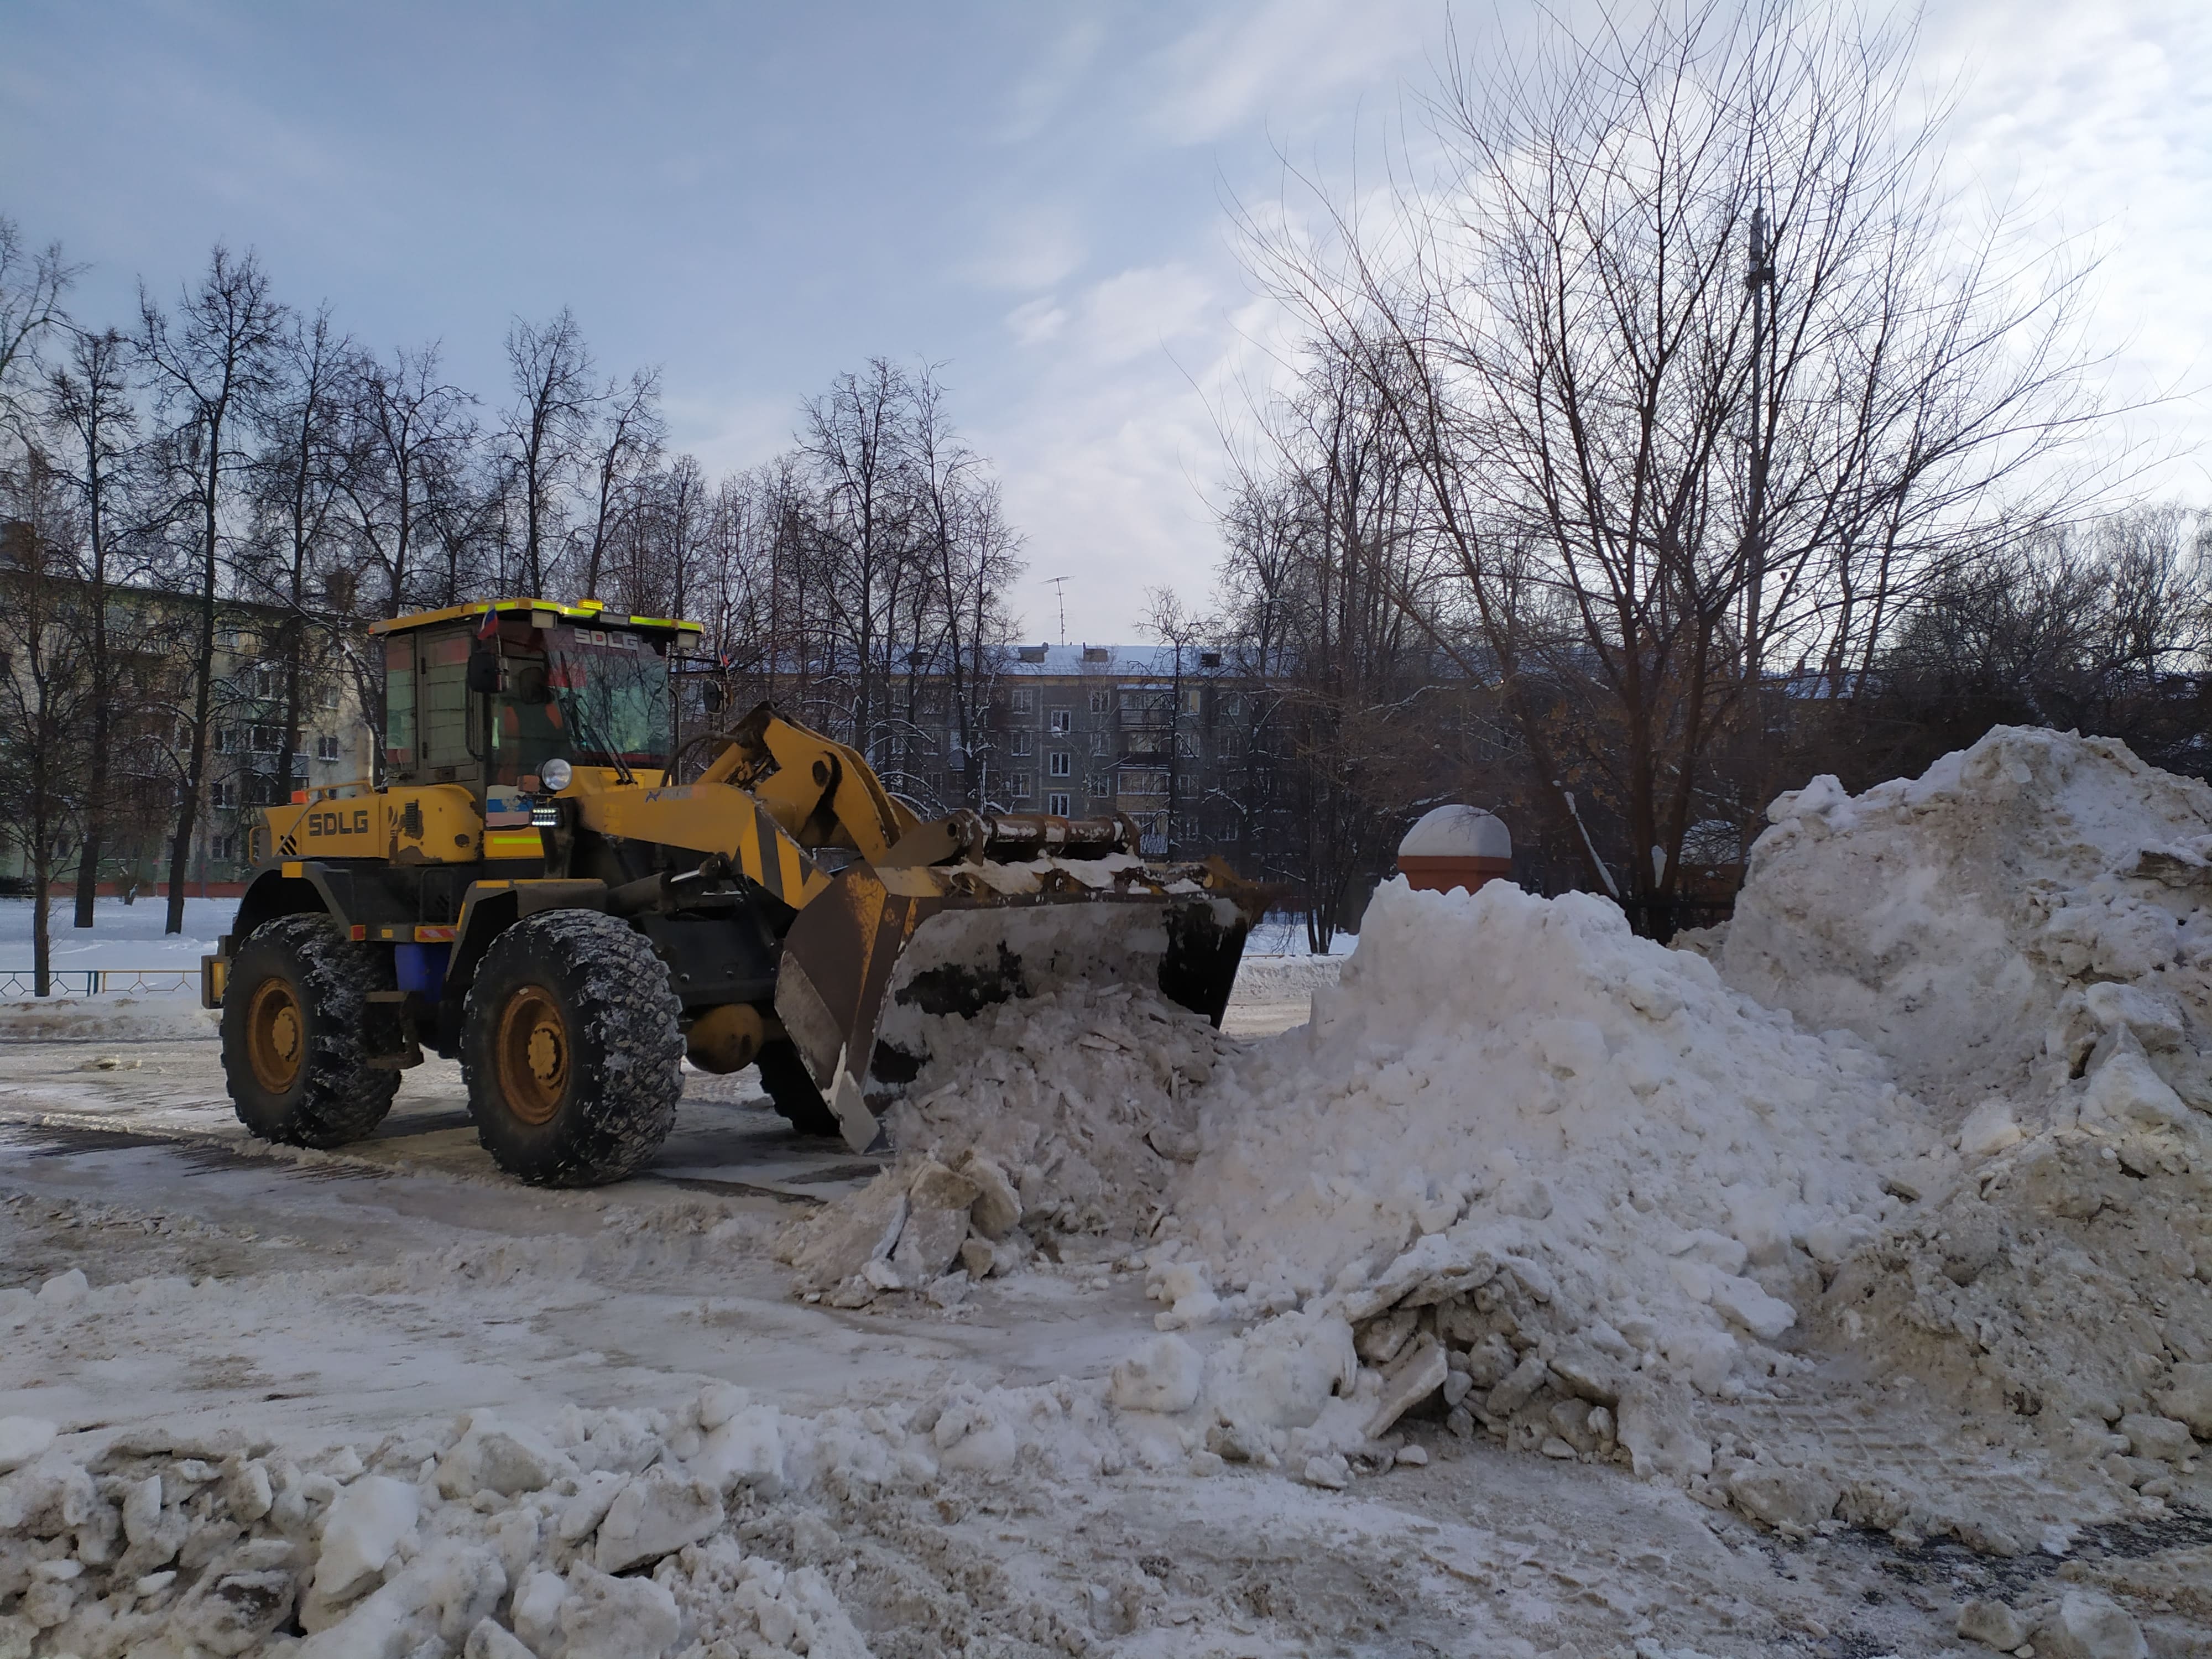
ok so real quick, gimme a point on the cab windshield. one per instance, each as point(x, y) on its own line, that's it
point(590, 696)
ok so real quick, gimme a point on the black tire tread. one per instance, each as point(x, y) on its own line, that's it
point(629, 1045)
point(343, 1100)
point(783, 1075)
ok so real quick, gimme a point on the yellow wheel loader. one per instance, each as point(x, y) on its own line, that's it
point(531, 891)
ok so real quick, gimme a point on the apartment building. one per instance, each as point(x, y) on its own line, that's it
point(152, 634)
point(1157, 732)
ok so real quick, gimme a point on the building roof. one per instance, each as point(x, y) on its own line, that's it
point(1147, 662)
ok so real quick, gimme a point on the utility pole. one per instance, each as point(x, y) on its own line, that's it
point(1759, 277)
point(1059, 586)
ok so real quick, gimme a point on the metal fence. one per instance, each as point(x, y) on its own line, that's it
point(19, 982)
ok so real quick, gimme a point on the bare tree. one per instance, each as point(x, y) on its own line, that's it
point(31, 284)
point(301, 479)
point(972, 556)
point(630, 437)
point(89, 408)
point(1326, 546)
point(547, 424)
point(1702, 373)
point(412, 430)
point(42, 685)
point(854, 440)
point(210, 367)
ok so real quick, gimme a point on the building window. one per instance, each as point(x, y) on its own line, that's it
point(1019, 785)
point(1025, 700)
point(1099, 786)
point(1229, 745)
point(1186, 745)
point(226, 740)
point(1021, 743)
point(1101, 702)
point(223, 792)
point(268, 739)
point(1098, 743)
point(226, 849)
point(1061, 764)
point(1056, 804)
point(1193, 699)
point(1186, 828)
point(326, 747)
point(1228, 831)
point(1062, 719)
point(1232, 705)
point(1143, 783)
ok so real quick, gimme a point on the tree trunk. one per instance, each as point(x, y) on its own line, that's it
point(95, 817)
point(181, 850)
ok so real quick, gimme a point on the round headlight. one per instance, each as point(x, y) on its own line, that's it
point(555, 774)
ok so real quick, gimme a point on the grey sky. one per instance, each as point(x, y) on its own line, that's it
point(1030, 195)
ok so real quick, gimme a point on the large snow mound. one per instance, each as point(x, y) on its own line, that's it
point(2019, 902)
point(1549, 1150)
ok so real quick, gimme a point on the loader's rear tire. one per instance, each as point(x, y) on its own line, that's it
point(297, 1033)
point(783, 1074)
point(571, 1049)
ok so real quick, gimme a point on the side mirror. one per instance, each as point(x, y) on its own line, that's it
point(483, 671)
point(711, 695)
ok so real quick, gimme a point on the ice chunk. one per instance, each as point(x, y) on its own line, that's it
point(1989, 1129)
point(655, 1515)
point(364, 1527)
point(607, 1617)
point(22, 1439)
point(496, 1456)
point(1163, 1376)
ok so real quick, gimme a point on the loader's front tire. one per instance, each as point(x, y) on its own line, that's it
point(296, 1034)
point(571, 1049)
point(783, 1074)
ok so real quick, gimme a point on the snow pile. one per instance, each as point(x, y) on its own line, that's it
point(2060, 1293)
point(1994, 922)
point(635, 1534)
point(1085, 1096)
point(1560, 1174)
point(2025, 930)
point(1068, 1112)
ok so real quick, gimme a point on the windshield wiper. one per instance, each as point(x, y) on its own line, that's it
point(590, 734)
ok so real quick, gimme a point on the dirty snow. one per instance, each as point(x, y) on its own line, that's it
point(1842, 1284)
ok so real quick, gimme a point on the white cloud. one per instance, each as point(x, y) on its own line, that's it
point(1039, 95)
point(1037, 321)
point(1282, 62)
point(2097, 120)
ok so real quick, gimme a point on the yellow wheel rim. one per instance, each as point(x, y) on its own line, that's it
point(533, 1055)
point(276, 1035)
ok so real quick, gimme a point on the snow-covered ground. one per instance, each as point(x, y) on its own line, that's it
point(1547, 1293)
point(122, 935)
point(161, 1000)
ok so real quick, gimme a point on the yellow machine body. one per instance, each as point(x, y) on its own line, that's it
point(530, 766)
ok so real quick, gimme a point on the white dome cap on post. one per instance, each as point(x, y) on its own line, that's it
point(1458, 832)
point(1457, 846)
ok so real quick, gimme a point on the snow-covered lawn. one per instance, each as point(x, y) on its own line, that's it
point(122, 936)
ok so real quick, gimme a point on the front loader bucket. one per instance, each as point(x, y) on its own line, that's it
point(869, 960)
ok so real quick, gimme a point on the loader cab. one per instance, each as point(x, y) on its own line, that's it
point(485, 696)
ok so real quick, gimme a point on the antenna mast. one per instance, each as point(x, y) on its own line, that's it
point(1059, 586)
